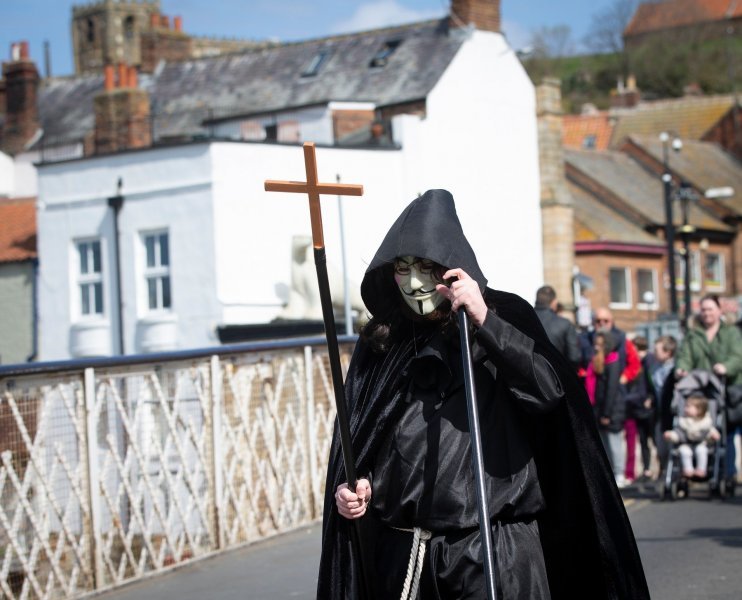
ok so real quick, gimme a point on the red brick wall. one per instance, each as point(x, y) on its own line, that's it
point(348, 121)
point(483, 14)
point(122, 120)
point(597, 265)
point(726, 134)
point(21, 110)
point(162, 44)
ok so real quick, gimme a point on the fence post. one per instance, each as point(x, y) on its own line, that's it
point(91, 443)
point(216, 450)
point(311, 432)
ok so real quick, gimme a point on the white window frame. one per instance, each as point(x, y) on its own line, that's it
point(722, 272)
point(91, 278)
point(159, 272)
point(695, 271)
point(640, 304)
point(629, 290)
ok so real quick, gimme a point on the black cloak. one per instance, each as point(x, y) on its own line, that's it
point(588, 544)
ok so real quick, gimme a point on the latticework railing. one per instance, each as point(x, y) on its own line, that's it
point(110, 471)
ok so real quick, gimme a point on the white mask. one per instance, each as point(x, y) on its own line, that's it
point(416, 279)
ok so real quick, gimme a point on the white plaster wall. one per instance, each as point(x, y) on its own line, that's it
point(7, 175)
point(253, 255)
point(26, 179)
point(163, 188)
point(480, 142)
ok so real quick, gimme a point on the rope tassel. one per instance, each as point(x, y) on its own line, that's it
point(415, 566)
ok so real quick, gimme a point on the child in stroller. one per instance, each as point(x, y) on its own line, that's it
point(698, 430)
point(693, 431)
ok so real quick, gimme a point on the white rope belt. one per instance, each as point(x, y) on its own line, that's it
point(415, 566)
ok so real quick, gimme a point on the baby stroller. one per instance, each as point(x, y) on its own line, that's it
point(675, 485)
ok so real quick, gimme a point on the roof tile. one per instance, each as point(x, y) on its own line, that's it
point(17, 229)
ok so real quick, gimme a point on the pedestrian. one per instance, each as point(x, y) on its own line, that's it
point(662, 385)
point(716, 347)
point(608, 401)
point(629, 365)
point(640, 408)
point(558, 524)
point(560, 331)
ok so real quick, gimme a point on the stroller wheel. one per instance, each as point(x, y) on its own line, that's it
point(722, 489)
point(674, 490)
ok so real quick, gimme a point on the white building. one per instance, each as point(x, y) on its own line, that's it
point(203, 246)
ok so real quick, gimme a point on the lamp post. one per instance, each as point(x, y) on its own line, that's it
point(686, 195)
point(669, 226)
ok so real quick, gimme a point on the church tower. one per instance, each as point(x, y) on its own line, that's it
point(110, 32)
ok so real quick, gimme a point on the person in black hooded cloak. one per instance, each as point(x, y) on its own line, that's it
point(559, 527)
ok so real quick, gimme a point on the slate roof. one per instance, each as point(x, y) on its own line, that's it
point(703, 164)
point(596, 221)
point(690, 118)
point(641, 191)
point(17, 229)
point(268, 80)
point(575, 128)
point(680, 13)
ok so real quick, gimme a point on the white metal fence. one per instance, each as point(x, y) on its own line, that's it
point(113, 470)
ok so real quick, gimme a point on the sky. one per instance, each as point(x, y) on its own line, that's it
point(284, 20)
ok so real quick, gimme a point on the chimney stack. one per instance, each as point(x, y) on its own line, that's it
point(178, 24)
point(481, 14)
point(122, 112)
point(21, 90)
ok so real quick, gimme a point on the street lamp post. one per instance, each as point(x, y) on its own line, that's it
point(669, 225)
point(686, 195)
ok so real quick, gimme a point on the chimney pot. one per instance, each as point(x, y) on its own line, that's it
point(108, 75)
point(24, 50)
point(154, 20)
point(123, 76)
point(178, 24)
point(165, 21)
point(133, 82)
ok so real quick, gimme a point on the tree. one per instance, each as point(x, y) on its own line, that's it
point(605, 34)
point(552, 42)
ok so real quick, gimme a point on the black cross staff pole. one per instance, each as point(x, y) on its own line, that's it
point(313, 189)
point(485, 533)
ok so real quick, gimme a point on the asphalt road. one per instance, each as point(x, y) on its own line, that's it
point(691, 550)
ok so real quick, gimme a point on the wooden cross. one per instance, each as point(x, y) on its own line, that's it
point(314, 189)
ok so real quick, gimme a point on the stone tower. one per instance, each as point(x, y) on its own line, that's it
point(557, 210)
point(109, 32)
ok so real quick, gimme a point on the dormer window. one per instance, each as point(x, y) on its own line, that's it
point(385, 52)
point(316, 63)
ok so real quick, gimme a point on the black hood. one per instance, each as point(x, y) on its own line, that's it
point(428, 228)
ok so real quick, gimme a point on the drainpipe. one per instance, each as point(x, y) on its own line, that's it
point(116, 203)
point(34, 311)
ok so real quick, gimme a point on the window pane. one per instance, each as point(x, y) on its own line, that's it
point(152, 292)
point(166, 292)
point(82, 248)
point(619, 293)
point(713, 270)
point(645, 283)
point(98, 289)
point(95, 246)
point(164, 250)
point(149, 242)
point(85, 299)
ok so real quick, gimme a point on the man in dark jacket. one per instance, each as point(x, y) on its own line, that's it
point(560, 331)
point(559, 526)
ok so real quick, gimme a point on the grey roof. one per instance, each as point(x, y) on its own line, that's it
point(270, 80)
point(596, 221)
point(637, 188)
point(703, 164)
